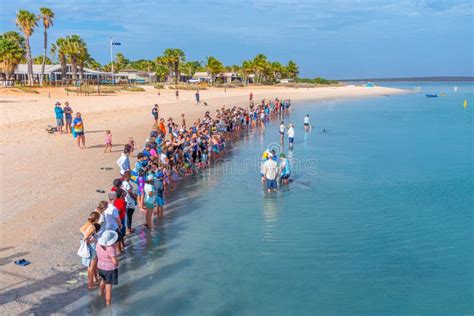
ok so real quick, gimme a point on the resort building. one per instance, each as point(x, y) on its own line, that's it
point(53, 74)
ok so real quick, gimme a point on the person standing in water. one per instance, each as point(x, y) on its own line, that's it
point(291, 134)
point(270, 172)
point(282, 131)
point(284, 169)
point(307, 124)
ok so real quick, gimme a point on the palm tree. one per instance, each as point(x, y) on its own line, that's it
point(47, 15)
point(76, 50)
point(59, 48)
point(173, 57)
point(120, 62)
point(12, 52)
point(92, 64)
point(277, 70)
point(260, 65)
point(26, 22)
point(214, 67)
point(292, 69)
point(247, 69)
point(39, 60)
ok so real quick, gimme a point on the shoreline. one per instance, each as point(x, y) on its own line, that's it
point(46, 227)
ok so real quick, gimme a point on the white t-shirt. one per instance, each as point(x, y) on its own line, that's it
point(110, 215)
point(270, 169)
point(126, 186)
point(306, 119)
point(282, 128)
point(291, 132)
point(124, 163)
point(149, 188)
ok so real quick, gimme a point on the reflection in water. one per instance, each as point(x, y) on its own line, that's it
point(270, 216)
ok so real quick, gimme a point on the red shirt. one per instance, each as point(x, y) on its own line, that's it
point(121, 205)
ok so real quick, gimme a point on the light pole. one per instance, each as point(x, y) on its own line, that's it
point(112, 60)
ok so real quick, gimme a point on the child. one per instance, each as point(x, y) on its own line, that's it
point(131, 144)
point(108, 141)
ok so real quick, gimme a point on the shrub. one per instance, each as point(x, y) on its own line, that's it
point(27, 89)
point(187, 87)
point(159, 86)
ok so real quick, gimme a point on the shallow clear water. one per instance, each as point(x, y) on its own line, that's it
point(378, 221)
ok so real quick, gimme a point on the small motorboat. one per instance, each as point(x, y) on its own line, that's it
point(431, 95)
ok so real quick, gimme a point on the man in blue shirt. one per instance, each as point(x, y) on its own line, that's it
point(59, 117)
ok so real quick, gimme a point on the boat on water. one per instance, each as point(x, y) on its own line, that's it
point(431, 95)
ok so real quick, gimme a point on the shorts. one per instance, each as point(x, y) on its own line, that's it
point(271, 184)
point(68, 121)
point(306, 124)
point(109, 276)
point(291, 139)
point(286, 176)
point(160, 201)
point(60, 122)
point(282, 133)
point(87, 261)
point(79, 133)
point(149, 205)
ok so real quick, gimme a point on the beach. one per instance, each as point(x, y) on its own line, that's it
point(50, 184)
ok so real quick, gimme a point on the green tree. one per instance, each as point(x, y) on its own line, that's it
point(76, 51)
point(39, 60)
point(260, 64)
point(247, 69)
point(214, 67)
point(26, 22)
point(12, 52)
point(47, 16)
point(292, 69)
point(277, 70)
point(59, 51)
point(173, 57)
point(120, 62)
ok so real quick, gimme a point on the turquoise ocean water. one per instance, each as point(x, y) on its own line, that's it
point(379, 220)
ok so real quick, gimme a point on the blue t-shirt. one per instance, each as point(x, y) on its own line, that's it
point(59, 112)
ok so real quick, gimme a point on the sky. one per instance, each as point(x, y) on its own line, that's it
point(337, 39)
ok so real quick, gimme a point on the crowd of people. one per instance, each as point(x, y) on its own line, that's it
point(171, 151)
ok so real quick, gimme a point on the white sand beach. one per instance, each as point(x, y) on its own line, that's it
point(49, 185)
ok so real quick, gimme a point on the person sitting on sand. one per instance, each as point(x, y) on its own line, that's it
point(89, 231)
point(107, 263)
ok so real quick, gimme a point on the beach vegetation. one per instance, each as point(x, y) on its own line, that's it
point(26, 22)
point(317, 81)
point(27, 89)
point(12, 52)
point(38, 60)
point(46, 16)
point(187, 87)
point(159, 86)
point(214, 67)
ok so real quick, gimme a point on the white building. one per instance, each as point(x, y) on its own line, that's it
point(52, 73)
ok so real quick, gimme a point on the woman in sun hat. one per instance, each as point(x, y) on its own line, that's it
point(107, 263)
